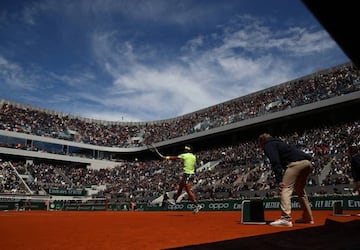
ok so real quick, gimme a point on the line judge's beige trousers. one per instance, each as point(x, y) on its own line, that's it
point(295, 178)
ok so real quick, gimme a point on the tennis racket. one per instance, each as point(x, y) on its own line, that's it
point(152, 148)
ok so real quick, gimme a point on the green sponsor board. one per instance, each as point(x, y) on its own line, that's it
point(207, 206)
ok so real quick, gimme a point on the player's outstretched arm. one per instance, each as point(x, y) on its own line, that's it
point(170, 157)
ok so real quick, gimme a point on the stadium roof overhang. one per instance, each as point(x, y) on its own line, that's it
point(340, 19)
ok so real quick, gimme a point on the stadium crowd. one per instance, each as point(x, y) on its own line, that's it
point(233, 171)
point(239, 169)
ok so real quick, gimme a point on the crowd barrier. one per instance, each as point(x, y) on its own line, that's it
point(348, 202)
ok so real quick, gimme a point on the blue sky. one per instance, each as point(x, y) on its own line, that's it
point(147, 60)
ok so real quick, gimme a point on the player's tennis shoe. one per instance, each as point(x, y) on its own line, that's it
point(171, 201)
point(281, 223)
point(197, 209)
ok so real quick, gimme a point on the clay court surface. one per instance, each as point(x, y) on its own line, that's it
point(65, 230)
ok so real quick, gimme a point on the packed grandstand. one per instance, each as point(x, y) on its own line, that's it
point(54, 155)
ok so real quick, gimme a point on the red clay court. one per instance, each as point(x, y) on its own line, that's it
point(64, 230)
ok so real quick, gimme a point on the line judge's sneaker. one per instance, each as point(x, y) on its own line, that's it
point(281, 223)
point(197, 209)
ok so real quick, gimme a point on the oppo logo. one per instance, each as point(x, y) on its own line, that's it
point(217, 206)
point(192, 206)
point(176, 207)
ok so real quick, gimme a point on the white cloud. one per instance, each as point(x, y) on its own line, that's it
point(13, 75)
point(204, 74)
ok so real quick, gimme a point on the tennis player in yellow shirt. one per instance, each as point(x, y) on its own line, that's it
point(187, 178)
